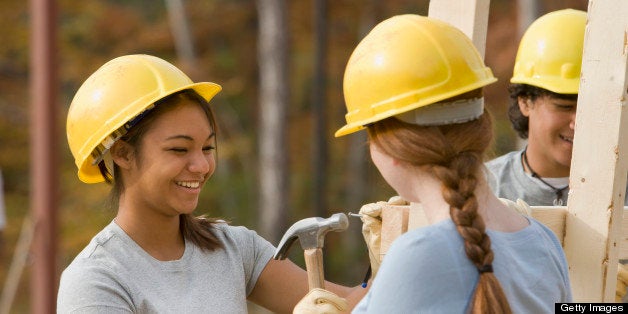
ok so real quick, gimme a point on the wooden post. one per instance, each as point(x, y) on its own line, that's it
point(470, 16)
point(44, 141)
point(394, 223)
point(598, 167)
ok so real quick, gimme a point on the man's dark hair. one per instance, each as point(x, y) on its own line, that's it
point(518, 120)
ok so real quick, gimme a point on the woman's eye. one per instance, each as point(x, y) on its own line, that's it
point(179, 150)
point(208, 148)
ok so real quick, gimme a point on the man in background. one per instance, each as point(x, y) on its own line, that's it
point(544, 91)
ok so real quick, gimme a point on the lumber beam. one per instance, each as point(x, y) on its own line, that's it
point(598, 167)
point(470, 16)
point(400, 219)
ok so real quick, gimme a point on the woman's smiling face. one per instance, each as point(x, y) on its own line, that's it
point(175, 158)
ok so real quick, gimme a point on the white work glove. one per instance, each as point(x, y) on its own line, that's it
point(371, 215)
point(320, 301)
point(622, 282)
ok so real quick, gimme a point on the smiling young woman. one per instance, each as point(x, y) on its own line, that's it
point(143, 126)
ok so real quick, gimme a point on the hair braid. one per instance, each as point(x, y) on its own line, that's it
point(453, 154)
point(459, 183)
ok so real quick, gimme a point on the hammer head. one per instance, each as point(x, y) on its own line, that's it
point(310, 232)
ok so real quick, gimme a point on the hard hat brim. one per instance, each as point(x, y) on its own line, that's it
point(90, 173)
point(360, 125)
point(557, 85)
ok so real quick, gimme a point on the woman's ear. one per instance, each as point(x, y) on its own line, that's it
point(122, 154)
point(525, 105)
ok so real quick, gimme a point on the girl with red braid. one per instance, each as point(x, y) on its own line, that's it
point(415, 84)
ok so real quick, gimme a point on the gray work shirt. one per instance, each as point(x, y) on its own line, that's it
point(113, 274)
point(508, 180)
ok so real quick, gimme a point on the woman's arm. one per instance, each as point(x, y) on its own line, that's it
point(282, 284)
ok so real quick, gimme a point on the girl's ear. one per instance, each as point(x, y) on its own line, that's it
point(122, 154)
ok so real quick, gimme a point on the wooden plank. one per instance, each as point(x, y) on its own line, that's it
point(400, 219)
point(553, 217)
point(470, 16)
point(394, 223)
point(598, 167)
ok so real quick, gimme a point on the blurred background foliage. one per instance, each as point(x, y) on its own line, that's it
point(224, 35)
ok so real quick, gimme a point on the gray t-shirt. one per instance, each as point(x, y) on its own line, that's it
point(508, 180)
point(426, 270)
point(113, 274)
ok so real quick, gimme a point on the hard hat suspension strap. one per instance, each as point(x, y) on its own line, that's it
point(458, 111)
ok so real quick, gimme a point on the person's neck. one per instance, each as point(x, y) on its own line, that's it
point(496, 215)
point(158, 235)
point(544, 168)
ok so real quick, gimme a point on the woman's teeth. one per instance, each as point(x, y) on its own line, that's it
point(189, 184)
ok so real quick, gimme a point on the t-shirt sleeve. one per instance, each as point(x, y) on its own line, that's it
point(91, 290)
point(256, 253)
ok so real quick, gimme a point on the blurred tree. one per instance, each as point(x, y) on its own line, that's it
point(357, 161)
point(181, 36)
point(319, 101)
point(272, 54)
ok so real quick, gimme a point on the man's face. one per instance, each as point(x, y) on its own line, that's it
point(550, 134)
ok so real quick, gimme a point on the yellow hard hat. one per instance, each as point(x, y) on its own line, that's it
point(116, 93)
point(550, 52)
point(406, 62)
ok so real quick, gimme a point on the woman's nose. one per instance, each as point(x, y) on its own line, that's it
point(201, 163)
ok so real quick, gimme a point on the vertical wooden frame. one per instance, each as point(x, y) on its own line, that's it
point(598, 167)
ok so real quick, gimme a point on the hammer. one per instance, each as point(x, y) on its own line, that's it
point(311, 234)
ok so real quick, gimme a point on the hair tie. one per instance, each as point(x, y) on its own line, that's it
point(488, 268)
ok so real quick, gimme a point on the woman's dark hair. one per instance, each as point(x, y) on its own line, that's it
point(518, 120)
point(195, 229)
point(453, 154)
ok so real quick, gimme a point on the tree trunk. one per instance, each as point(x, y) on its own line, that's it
point(527, 12)
point(319, 107)
point(357, 168)
point(272, 54)
point(183, 43)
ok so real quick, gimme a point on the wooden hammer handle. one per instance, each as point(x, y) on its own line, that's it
point(314, 266)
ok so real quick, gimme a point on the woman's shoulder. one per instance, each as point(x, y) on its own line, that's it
point(239, 234)
point(419, 241)
point(228, 230)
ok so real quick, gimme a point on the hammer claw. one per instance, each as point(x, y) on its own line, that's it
point(311, 234)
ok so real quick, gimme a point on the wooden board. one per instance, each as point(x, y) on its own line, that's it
point(470, 16)
point(399, 219)
point(598, 167)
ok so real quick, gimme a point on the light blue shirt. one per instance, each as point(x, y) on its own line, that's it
point(426, 270)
